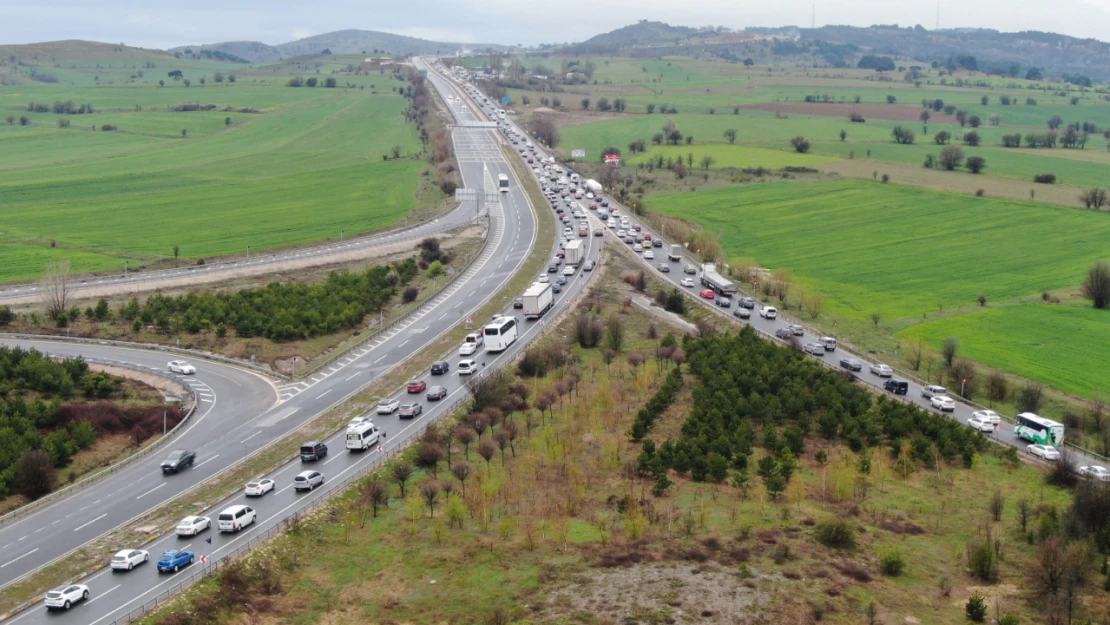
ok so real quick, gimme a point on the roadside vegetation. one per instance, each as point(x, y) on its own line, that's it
point(538, 499)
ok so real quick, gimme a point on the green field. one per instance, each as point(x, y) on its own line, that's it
point(303, 167)
point(734, 156)
point(899, 251)
point(1063, 346)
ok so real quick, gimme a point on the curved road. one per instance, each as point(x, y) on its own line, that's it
point(221, 441)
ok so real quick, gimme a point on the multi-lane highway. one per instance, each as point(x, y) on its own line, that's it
point(240, 428)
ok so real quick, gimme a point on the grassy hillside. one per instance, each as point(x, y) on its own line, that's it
point(898, 251)
point(269, 166)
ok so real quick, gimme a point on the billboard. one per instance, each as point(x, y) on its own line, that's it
point(578, 154)
point(612, 159)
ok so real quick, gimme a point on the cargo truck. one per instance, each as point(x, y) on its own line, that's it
point(713, 280)
point(676, 252)
point(593, 186)
point(573, 253)
point(537, 300)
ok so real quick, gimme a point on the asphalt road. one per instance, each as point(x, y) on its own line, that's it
point(114, 595)
point(211, 272)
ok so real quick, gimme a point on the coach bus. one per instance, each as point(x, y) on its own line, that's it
point(503, 182)
point(1039, 430)
point(500, 334)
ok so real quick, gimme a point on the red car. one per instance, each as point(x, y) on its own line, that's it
point(637, 227)
point(707, 294)
point(593, 207)
point(418, 386)
point(647, 237)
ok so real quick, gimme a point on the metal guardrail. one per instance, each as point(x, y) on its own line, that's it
point(110, 469)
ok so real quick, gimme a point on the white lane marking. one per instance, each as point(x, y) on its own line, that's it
point(250, 437)
point(324, 393)
point(19, 558)
point(291, 413)
point(379, 360)
point(21, 539)
point(81, 527)
point(207, 461)
point(352, 377)
point(403, 344)
point(104, 593)
point(152, 490)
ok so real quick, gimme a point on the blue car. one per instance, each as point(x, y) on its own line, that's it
point(173, 560)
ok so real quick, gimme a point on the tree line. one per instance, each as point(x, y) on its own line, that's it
point(278, 311)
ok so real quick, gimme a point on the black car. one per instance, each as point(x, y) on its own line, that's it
point(746, 302)
point(784, 334)
point(896, 386)
point(517, 303)
point(561, 280)
point(723, 301)
point(555, 288)
point(851, 364)
point(657, 243)
point(177, 460)
point(440, 367)
point(436, 392)
point(552, 268)
point(312, 451)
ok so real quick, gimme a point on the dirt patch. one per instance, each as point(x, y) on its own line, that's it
point(165, 386)
point(659, 594)
point(894, 112)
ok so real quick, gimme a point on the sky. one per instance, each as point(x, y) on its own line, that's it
point(529, 22)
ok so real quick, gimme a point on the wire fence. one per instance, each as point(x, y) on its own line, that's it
point(115, 467)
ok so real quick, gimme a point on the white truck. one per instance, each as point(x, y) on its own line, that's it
point(714, 280)
point(676, 252)
point(573, 253)
point(593, 186)
point(537, 300)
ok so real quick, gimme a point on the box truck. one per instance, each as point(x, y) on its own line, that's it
point(676, 252)
point(537, 300)
point(573, 253)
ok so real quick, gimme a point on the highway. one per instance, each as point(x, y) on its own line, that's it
point(134, 281)
point(236, 433)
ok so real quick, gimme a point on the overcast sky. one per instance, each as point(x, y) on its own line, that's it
point(163, 25)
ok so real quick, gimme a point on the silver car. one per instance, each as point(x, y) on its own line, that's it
point(881, 370)
point(307, 480)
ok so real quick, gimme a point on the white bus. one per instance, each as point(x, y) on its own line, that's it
point(362, 437)
point(1037, 429)
point(503, 182)
point(500, 334)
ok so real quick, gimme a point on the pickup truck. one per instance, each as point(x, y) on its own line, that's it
point(173, 560)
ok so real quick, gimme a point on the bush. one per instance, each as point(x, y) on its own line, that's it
point(982, 560)
point(836, 534)
point(976, 608)
point(657, 405)
point(1045, 178)
point(892, 564)
point(410, 294)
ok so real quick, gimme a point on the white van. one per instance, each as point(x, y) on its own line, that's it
point(467, 367)
point(362, 436)
point(829, 343)
point(768, 312)
point(235, 518)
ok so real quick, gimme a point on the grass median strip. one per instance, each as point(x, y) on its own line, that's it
point(92, 556)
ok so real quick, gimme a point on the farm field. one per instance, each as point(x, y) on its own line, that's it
point(281, 166)
point(898, 251)
point(1063, 346)
point(734, 156)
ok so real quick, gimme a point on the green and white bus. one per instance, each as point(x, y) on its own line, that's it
point(1039, 430)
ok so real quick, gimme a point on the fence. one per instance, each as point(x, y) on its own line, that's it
point(142, 453)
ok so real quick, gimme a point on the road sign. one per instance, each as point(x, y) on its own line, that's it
point(505, 100)
point(578, 154)
point(612, 159)
point(204, 559)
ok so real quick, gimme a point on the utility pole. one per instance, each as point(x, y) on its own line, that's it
point(163, 423)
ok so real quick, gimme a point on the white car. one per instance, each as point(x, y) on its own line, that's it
point(648, 254)
point(976, 423)
point(182, 367)
point(65, 596)
point(621, 233)
point(235, 518)
point(568, 270)
point(192, 525)
point(881, 370)
point(637, 248)
point(467, 367)
point(542, 279)
point(687, 282)
point(943, 403)
point(988, 416)
point(1044, 452)
point(1095, 472)
point(390, 405)
point(768, 312)
point(308, 480)
point(257, 488)
point(128, 559)
point(467, 349)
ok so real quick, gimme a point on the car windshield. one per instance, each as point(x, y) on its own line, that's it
point(176, 455)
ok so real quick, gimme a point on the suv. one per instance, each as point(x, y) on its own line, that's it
point(769, 312)
point(814, 349)
point(307, 480)
point(896, 386)
point(440, 367)
point(312, 451)
point(177, 460)
point(235, 518)
point(929, 390)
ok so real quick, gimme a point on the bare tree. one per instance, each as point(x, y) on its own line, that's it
point(461, 471)
point(1096, 285)
point(1057, 575)
point(730, 135)
point(429, 490)
point(466, 436)
point(55, 288)
point(486, 449)
point(376, 493)
point(402, 471)
point(34, 474)
point(950, 348)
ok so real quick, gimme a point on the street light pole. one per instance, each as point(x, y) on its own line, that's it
point(163, 423)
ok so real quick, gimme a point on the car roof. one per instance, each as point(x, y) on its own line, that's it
point(238, 506)
point(307, 473)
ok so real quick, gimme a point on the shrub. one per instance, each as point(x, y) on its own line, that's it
point(1045, 178)
point(976, 608)
point(410, 294)
point(892, 563)
point(836, 533)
